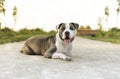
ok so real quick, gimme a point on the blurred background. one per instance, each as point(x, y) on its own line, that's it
point(47, 14)
point(97, 18)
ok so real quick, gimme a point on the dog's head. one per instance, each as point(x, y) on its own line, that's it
point(67, 32)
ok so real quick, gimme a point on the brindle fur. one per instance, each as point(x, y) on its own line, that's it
point(40, 46)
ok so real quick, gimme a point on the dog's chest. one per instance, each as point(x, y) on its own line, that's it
point(63, 48)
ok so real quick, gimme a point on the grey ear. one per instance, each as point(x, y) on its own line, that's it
point(75, 25)
point(59, 25)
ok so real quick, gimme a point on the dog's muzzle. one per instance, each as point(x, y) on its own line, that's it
point(67, 38)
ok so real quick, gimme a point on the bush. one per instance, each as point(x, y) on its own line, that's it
point(53, 32)
point(115, 29)
point(6, 29)
point(101, 34)
point(24, 30)
point(9, 35)
point(110, 34)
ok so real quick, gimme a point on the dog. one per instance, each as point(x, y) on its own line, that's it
point(55, 47)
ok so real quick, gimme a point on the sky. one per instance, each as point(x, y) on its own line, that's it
point(47, 14)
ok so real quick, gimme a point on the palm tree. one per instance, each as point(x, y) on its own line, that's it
point(2, 10)
point(15, 14)
point(118, 11)
point(107, 14)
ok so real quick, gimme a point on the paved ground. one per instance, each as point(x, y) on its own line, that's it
point(91, 60)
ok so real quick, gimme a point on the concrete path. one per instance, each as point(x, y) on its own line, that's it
point(91, 60)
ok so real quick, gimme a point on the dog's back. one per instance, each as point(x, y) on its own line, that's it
point(38, 45)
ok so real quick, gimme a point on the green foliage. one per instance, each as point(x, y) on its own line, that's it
point(113, 36)
point(2, 9)
point(106, 11)
point(118, 8)
point(8, 35)
point(82, 28)
point(85, 27)
point(88, 27)
point(110, 34)
point(101, 34)
point(115, 29)
point(14, 10)
point(52, 32)
point(6, 29)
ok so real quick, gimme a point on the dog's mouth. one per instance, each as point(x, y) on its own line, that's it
point(68, 39)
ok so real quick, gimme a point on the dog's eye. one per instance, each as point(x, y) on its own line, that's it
point(71, 28)
point(63, 28)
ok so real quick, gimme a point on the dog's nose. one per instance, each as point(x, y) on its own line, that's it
point(67, 33)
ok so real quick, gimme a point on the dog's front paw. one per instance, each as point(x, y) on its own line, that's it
point(47, 55)
point(67, 58)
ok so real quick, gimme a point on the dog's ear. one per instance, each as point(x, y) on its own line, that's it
point(59, 25)
point(75, 25)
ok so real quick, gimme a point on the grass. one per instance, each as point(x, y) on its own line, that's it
point(110, 36)
point(112, 40)
point(8, 35)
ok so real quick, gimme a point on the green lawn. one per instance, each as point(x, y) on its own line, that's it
point(112, 40)
point(7, 35)
point(113, 37)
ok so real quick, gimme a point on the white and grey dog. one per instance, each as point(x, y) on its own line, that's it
point(57, 47)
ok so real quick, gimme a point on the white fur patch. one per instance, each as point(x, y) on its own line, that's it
point(72, 32)
point(64, 49)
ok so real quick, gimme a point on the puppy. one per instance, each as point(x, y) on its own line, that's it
point(56, 47)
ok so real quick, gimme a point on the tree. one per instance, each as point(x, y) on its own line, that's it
point(2, 10)
point(82, 27)
point(106, 11)
point(107, 14)
point(118, 11)
point(15, 14)
point(88, 27)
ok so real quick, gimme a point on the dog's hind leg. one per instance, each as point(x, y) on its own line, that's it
point(27, 50)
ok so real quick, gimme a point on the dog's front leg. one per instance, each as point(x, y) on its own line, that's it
point(61, 56)
point(50, 51)
point(68, 52)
